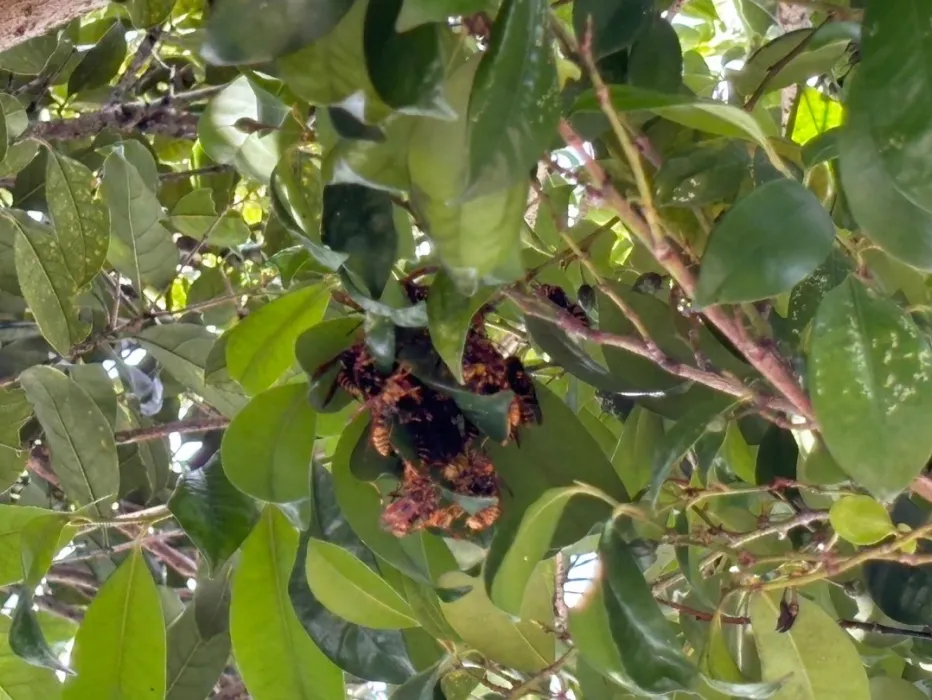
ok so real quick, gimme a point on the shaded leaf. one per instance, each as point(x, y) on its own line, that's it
point(656, 60)
point(615, 23)
point(261, 347)
point(194, 215)
point(769, 241)
point(214, 515)
point(194, 663)
point(101, 62)
point(297, 193)
point(267, 449)
point(424, 686)
point(140, 246)
point(148, 13)
point(817, 655)
point(871, 376)
point(273, 653)
point(514, 104)
point(22, 681)
point(449, 318)
point(80, 439)
point(240, 31)
point(26, 639)
point(119, 650)
point(416, 12)
point(319, 345)
point(46, 283)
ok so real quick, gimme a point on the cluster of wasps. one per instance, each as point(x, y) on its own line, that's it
point(448, 482)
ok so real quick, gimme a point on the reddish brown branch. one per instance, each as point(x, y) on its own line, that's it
point(155, 432)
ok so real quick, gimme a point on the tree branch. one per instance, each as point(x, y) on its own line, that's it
point(25, 19)
point(154, 432)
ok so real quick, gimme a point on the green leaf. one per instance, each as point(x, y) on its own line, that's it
point(42, 539)
point(768, 242)
point(703, 115)
point(18, 156)
point(861, 520)
point(148, 13)
point(81, 223)
point(29, 57)
point(702, 175)
point(183, 349)
point(332, 69)
point(46, 282)
point(477, 241)
point(80, 439)
point(589, 628)
point(449, 318)
point(261, 347)
point(297, 193)
point(240, 31)
point(101, 62)
point(520, 542)
point(889, 218)
point(894, 62)
point(15, 524)
point(254, 153)
point(119, 650)
point(816, 114)
point(194, 662)
point(558, 452)
point(140, 246)
point(634, 454)
point(20, 680)
point(406, 68)
point(818, 656)
point(424, 686)
point(514, 105)
point(318, 346)
point(194, 215)
point(268, 447)
point(375, 655)
point(26, 639)
point(358, 221)
point(14, 411)
point(826, 46)
point(615, 23)
point(886, 688)
point(656, 60)
point(520, 644)
point(214, 515)
point(351, 590)
point(274, 655)
point(871, 376)
point(652, 655)
point(417, 12)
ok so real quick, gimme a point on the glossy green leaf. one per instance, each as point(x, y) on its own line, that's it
point(148, 13)
point(514, 105)
point(375, 655)
point(46, 282)
point(874, 431)
point(894, 222)
point(194, 215)
point(261, 347)
point(406, 68)
point(520, 542)
point(330, 70)
point(358, 222)
point(768, 242)
point(656, 60)
point(818, 656)
point(297, 193)
point(417, 12)
point(41, 541)
point(254, 152)
point(702, 175)
point(27, 640)
point(194, 662)
point(652, 656)
point(214, 515)
point(861, 520)
point(140, 246)
point(243, 32)
point(20, 680)
point(101, 62)
point(273, 653)
point(703, 115)
point(80, 439)
point(825, 46)
point(615, 23)
point(182, 349)
point(519, 644)
point(477, 240)
point(80, 221)
point(558, 452)
point(267, 449)
point(449, 317)
point(894, 62)
point(351, 590)
point(15, 522)
point(633, 455)
point(119, 650)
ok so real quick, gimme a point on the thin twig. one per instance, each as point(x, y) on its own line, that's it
point(155, 432)
point(142, 55)
point(523, 689)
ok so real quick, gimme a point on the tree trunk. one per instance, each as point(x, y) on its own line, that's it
point(24, 19)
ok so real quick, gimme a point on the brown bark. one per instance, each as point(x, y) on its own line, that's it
point(24, 19)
